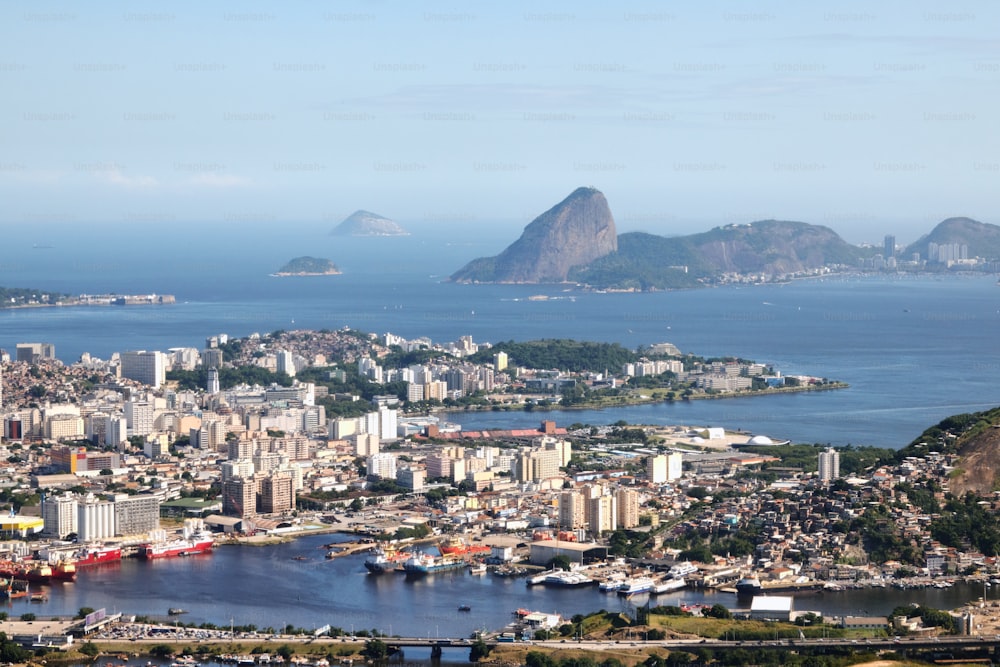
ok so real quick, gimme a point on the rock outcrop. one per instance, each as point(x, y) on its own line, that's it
point(571, 234)
point(366, 223)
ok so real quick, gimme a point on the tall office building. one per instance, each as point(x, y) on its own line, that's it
point(212, 385)
point(147, 367)
point(889, 246)
point(829, 465)
point(136, 515)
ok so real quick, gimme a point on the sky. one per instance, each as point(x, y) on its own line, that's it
point(870, 118)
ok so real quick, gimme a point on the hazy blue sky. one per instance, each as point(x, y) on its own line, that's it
point(867, 117)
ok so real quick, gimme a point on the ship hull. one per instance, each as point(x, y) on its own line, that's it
point(173, 550)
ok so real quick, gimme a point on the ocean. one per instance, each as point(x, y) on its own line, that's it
point(914, 349)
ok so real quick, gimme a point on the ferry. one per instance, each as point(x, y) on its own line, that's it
point(680, 570)
point(636, 586)
point(667, 585)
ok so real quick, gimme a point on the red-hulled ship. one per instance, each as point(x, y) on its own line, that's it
point(96, 554)
point(64, 570)
point(27, 570)
point(456, 546)
point(195, 539)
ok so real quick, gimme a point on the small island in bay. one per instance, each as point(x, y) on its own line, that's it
point(307, 266)
point(366, 223)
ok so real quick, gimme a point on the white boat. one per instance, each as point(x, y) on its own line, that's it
point(667, 585)
point(636, 586)
point(680, 570)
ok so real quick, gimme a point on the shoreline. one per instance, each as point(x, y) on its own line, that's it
point(626, 401)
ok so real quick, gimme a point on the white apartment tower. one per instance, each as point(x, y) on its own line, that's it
point(286, 363)
point(829, 465)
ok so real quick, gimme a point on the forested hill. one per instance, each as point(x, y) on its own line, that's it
point(975, 438)
point(561, 353)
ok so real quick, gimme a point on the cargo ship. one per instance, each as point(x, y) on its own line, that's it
point(456, 546)
point(26, 570)
point(386, 559)
point(97, 554)
point(424, 563)
point(194, 539)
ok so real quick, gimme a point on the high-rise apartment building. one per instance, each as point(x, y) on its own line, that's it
point(239, 497)
point(572, 510)
point(286, 363)
point(59, 514)
point(627, 502)
point(829, 465)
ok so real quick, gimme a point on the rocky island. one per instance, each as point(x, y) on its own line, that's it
point(366, 223)
point(308, 266)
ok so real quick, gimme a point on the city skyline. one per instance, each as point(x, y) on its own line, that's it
point(686, 118)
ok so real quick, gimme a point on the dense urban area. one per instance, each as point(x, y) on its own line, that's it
point(260, 436)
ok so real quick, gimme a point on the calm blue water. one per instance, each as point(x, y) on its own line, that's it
point(913, 349)
point(265, 586)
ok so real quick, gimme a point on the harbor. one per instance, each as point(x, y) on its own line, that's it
point(314, 591)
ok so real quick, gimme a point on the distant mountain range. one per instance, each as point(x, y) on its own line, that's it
point(575, 241)
point(366, 223)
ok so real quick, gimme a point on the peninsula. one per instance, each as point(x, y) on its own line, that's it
point(307, 266)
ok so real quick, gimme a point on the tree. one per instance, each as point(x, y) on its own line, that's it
point(717, 611)
point(560, 562)
point(83, 611)
point(89, 649)
point(375, 649)
point(161, 650)
point(479, 650)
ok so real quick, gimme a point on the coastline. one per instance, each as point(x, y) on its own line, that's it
point(656, 396)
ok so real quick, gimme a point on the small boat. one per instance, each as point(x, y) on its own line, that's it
point(464, 607)
point(39, 597)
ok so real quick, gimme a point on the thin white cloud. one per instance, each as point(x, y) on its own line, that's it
point(210, 179)
point(117, 178)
